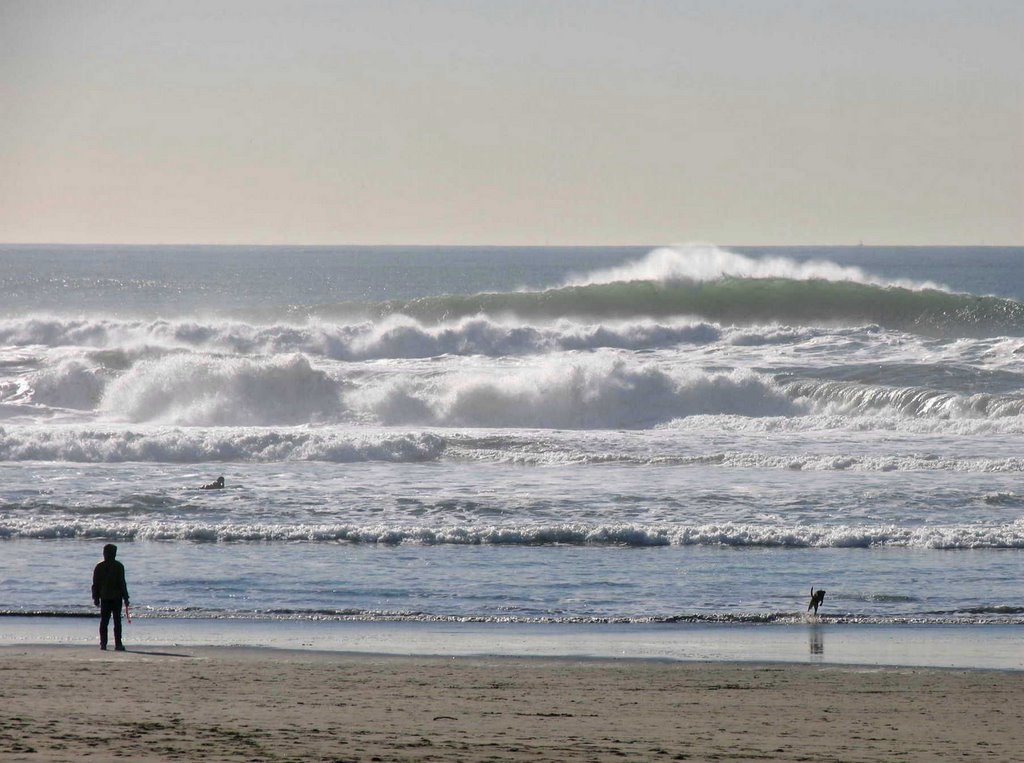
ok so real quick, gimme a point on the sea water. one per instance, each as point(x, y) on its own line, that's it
point(515, 435)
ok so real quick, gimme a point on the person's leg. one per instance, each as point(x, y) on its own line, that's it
point(105, 611)
point(117, 624)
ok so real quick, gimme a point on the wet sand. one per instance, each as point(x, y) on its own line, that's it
point(70, 703)
point(993, 646)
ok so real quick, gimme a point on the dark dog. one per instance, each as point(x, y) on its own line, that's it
point(817, 599)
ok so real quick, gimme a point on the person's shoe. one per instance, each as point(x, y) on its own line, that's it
point(103, 647)
point(119, 648)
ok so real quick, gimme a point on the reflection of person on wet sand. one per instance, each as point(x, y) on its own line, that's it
point(217, 484)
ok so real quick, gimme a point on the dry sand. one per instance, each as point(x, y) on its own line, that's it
point(226, 704)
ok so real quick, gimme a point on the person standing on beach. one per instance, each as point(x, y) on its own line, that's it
point(109, 589)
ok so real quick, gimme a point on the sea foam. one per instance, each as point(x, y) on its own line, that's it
point(586, 394)
point(705, 262)
point(219, 444)
point(1009, 536)
point(204, 391)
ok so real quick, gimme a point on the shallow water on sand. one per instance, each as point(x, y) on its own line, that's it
point(995, 647)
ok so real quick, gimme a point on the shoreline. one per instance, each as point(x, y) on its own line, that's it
point(964, 647)
point(253, 703)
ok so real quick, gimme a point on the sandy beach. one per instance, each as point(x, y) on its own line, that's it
point(68, 703)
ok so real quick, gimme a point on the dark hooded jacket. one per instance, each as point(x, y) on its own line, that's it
point(108, 581)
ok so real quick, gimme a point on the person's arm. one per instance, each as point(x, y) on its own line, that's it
point(96, 584)
point(124, 585)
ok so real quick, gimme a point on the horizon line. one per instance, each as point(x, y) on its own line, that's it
point(431, 245)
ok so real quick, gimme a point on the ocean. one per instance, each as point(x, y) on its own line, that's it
point(515, 435)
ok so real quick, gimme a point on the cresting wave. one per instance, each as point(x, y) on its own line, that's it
point(705, 262)
point(116, 344)
point(858, 399)
point(703, 283)
point(1010, 536)
point(727, 288)
point(743, 302)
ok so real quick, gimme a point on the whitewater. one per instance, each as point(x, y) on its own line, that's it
point(677, 434)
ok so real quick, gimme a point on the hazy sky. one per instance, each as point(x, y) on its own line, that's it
point(506, 122)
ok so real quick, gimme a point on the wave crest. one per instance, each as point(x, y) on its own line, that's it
point(742, 302)
point(702, 263)
point(630, 535)
point(116, 344)
point(845, 398)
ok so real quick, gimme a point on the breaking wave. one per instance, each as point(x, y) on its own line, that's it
point(586, 393)
point(1008, 536)
point(396, 336)
point(196, 445)
point(746, 302)
point(207, 391)
point(574, 396)
point(847, 398)
point(726, 288)
point(701, 263)
point(581, 393)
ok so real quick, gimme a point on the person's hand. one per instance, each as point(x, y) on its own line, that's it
point(126, 602)
point(96, 602)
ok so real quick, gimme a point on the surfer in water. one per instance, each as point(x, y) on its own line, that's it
point(217, 484)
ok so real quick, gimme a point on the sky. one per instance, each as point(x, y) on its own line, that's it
point(512, 122)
